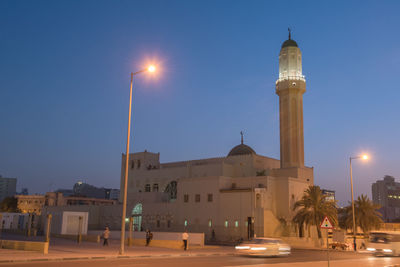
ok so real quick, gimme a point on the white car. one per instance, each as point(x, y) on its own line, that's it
point(384, 243)
point(263, 246)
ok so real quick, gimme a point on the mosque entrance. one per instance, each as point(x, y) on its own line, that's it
point(137, 217)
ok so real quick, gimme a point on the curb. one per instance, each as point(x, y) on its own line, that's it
point(115, 257)
point(324, 249)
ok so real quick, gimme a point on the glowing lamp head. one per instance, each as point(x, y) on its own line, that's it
point(364, 157)
point(151, 68)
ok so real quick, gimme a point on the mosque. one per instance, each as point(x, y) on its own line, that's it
point(237, 196)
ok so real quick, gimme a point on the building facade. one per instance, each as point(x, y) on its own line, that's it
point(236, 196)
point(30, 203)
point(8, 187)
point(386, 193)
point(329, 194)
point(86, 190)
point(36, 203)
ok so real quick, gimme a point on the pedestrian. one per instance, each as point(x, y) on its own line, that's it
point(185, 237)
point(149, 237)
point(106, 235)
point(213, 235)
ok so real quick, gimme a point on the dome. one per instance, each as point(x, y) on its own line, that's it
point(241, 149)
point(288, 43)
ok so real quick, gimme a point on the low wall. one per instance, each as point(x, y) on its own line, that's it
point(196, 239)
point(305, 242)
point(25, 245)
point(310, 243)
point(89, 238)
point(174, 244)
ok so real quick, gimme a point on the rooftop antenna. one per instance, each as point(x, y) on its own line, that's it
point(289, 32)
point(241, 133)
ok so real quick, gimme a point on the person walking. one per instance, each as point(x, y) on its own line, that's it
point(149, 237)
point(185, 237)
point(106, 235)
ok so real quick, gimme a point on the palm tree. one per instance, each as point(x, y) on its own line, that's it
point(367, 215)
point(312, 208)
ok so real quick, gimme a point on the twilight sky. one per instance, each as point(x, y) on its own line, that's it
point(65, 72)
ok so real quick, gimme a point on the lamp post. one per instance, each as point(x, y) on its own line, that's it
point(122, 247)
point(364, 157)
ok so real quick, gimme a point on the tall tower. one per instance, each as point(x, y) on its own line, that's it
point(290, 88)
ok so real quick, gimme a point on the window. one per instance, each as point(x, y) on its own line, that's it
point(209, 223)
point(155, 187)
point(210, 197)
point(197, 199)
point(236, 224)
point(186, 198)
point(171, 189)
point(158, 223)
point(185, 223)
point(132, 164)
point(169, 224)
point(138, 164)
point(147, 188)
point(226, 223)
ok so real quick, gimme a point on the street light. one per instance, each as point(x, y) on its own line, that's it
point(151, 68)
point(364, 157)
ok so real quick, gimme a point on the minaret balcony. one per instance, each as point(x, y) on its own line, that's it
point(291, 84)
point(296, 78)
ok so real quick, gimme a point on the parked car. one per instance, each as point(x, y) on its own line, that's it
point(263, 246)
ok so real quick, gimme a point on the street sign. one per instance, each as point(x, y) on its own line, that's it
point(326, 224)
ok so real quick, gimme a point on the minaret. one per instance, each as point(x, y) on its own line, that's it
point(290, 88)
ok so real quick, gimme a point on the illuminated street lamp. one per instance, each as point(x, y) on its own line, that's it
point(364, 157)
point(151, 68)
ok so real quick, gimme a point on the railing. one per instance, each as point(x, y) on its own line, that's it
point(297, 77)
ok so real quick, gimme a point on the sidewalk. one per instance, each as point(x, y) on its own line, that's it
point(62, 249)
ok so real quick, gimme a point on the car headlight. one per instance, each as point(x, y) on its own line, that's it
point(284, 248)
point(387, 250)
point(258, 248)
point(242, 247)
point(371, 249)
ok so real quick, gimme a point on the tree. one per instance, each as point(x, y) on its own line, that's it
point(367, 215)
point(312, 208)
point(9, 204)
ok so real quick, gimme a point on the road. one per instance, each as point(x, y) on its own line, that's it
point(299, 258)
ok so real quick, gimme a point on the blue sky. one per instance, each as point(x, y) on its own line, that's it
point(65, 71)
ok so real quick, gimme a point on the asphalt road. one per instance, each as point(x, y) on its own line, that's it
point(298, 258)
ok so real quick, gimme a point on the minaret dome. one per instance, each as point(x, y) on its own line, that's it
point(290, 66)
